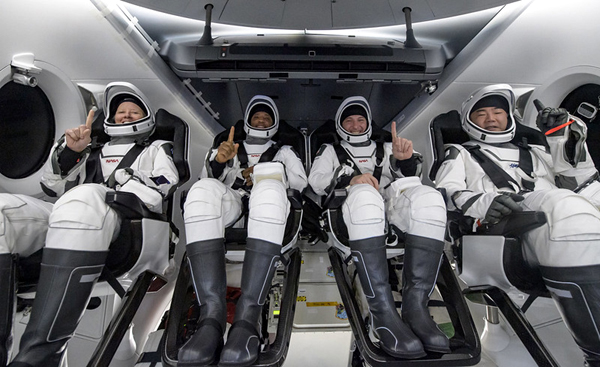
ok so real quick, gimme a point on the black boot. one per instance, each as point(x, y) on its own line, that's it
point(422, 258)
point(7, 302)
point(576, 292)
point(243, 340)
point(207, 263)
point(395, 337)
point(67, 278)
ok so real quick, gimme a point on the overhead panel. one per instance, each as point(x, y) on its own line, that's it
point(170, 7)
point(318, 14)
point(445, 8)
point(257, 13)
point(352, 13)
point(420, 10)
point(307, 14)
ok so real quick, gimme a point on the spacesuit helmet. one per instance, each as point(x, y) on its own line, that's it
point(116, 93)
point(497, 95)
point(355, 105)
point(260, 103)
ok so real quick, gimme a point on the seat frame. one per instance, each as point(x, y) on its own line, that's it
point(487, 281)
point(126, 256)
point(274, 353)
point(465, 344)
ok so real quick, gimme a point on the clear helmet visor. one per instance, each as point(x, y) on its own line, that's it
point(260, 103)
point(497, 95)
point(356, 103)
point(117, 93)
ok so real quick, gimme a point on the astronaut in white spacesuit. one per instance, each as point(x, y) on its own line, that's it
point(75, 232)
point(382, 180)
point(256, 169)
point(562, 183)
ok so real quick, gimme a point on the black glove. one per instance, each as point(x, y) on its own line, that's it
point(549, 118)
point(501, 206)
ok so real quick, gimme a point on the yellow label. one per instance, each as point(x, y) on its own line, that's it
point(301, 299)
point(320, 304)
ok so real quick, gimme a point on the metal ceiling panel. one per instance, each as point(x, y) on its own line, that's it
point(305, 14)
point(259, 13)
point(445, 8)
point(352, 13)
point(420, 10)
point(318, 14)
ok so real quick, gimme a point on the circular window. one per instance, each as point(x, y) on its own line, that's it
point(590, 94)
point(26, 130)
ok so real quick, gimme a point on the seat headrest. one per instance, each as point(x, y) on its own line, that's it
point(444, 129)
point(172, 128)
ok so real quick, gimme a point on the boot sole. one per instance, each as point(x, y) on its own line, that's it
point(437, 350)
point(413, 355)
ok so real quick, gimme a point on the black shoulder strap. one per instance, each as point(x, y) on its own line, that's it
point(242, 155)
point(270, 153)
point(498, 176)
point(526, 163)
point(378, 160)
point(128, 159)
point(343, 157)
point(267, 156)
point(93, 168)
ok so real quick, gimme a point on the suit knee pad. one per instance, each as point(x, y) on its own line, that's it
point(364, 212)
point(427, 215)
point(573, 218)
point(83, 207)
point(204, 201)
point(269, 203)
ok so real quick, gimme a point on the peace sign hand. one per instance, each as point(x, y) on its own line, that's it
point(80, 137)
point(401, 148)
point(227, 149)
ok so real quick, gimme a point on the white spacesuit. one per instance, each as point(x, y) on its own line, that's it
point(417, 210)
point(214, 203)
point(562, 184)
point(77, 230)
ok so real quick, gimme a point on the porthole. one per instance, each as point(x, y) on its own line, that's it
point(27, 130)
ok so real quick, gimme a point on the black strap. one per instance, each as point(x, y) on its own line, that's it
point(344, 156)
point(267, 156)
point(93, 168)
point(128, 159)
point(526, 163)
point(378, 160)
point(113, 282)
point(498, 176)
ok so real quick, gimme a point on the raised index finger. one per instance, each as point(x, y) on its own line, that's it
point(394, 136)
point(231, 133)
point(90, 118)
